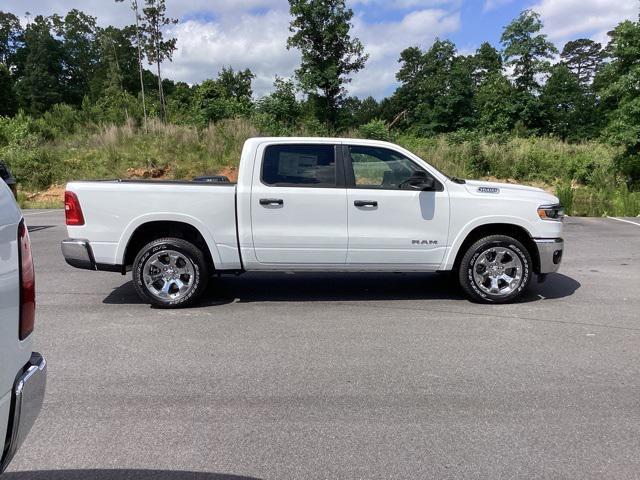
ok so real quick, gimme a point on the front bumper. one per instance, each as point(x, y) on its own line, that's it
point(550, 252)
point(78, 253)
point(27, 398)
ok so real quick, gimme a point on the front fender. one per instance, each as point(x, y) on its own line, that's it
point(463, 233)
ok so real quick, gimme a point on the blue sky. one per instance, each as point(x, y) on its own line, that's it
point(253, 33)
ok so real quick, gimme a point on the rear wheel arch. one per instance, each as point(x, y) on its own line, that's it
point(153, 230)
point(509, 229)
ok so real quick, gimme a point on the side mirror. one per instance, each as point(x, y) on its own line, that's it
point(419, 181)
point(428, 184)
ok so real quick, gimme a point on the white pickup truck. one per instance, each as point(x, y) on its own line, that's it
point(315, 204)
point(22, 372)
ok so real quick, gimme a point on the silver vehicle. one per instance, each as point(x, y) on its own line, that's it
point(22, 371)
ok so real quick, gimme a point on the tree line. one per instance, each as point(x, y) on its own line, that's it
point(524, 86)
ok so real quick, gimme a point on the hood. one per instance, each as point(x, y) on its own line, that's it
point(480, 188)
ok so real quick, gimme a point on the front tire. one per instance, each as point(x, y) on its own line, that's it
point(495, 269)
point(170, 273)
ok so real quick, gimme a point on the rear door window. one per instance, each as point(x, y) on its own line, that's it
point(299, 166)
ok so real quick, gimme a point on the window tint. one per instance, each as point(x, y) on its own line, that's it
point(381, 168)
point(299, 166)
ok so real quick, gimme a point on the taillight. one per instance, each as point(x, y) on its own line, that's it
point(72, 210)
point(27, 283)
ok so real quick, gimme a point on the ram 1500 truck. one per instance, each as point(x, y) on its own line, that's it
point(22, 372)
point(315, 204)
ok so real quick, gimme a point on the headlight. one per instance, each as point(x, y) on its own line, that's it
point(551, 212)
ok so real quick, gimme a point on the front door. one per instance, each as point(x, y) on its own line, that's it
point(390, 223)
point(299, 206)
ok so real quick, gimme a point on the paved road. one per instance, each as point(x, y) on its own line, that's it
point(342, 376)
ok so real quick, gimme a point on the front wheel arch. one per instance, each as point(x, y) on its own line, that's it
point(507, 229)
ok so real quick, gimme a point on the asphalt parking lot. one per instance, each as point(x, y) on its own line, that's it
point(346, 376)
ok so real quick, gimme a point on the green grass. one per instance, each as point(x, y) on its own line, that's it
point(26, 205)
point(584, 174)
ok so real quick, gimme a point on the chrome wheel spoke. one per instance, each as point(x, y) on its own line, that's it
point(169, 275)
point(494, 285)
point(509, 264)
point(157, 264)
point(498, 271)
point(153, 278)
point(165, 288)
point(506, 278)
point(183, 270)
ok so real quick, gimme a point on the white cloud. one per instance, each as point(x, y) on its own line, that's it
point(385, 41)
point(566, 19)
point(205, 47)
point(407, 4)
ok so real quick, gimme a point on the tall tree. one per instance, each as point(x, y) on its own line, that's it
point(320, 31)
point(138, 37)
point(618, 85)
point(237, 84)
point(8, 99)
point(568, 109)
point(281, 105)
point(437, 87)
point(116, 45)
point(410, 76)
point(157, 48)
point(225, 97)
point(40, 84)
point(10, 38)
point(495, 104)
point(527, 50)
point(583, 57)
point(487, 60)
point(79, 46)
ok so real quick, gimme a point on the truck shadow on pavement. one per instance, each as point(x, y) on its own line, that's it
point(323, 287)
point(119, 475)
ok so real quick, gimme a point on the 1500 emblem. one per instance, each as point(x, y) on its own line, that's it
point(424, 242)
point(488, 190)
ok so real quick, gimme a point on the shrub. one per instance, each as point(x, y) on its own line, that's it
point(375, 130)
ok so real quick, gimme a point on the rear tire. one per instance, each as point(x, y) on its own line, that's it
point(495, 269)
point(170, 273)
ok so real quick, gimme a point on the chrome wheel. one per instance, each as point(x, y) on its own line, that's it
point(498, 271)
point(169, 275)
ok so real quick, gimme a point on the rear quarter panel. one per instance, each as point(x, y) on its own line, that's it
point(13, 353)
point(113, 211)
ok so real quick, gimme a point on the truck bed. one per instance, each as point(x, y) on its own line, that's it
point(113, 207)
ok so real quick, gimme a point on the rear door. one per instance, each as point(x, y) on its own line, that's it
point(388, 223)
point(299, 205)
